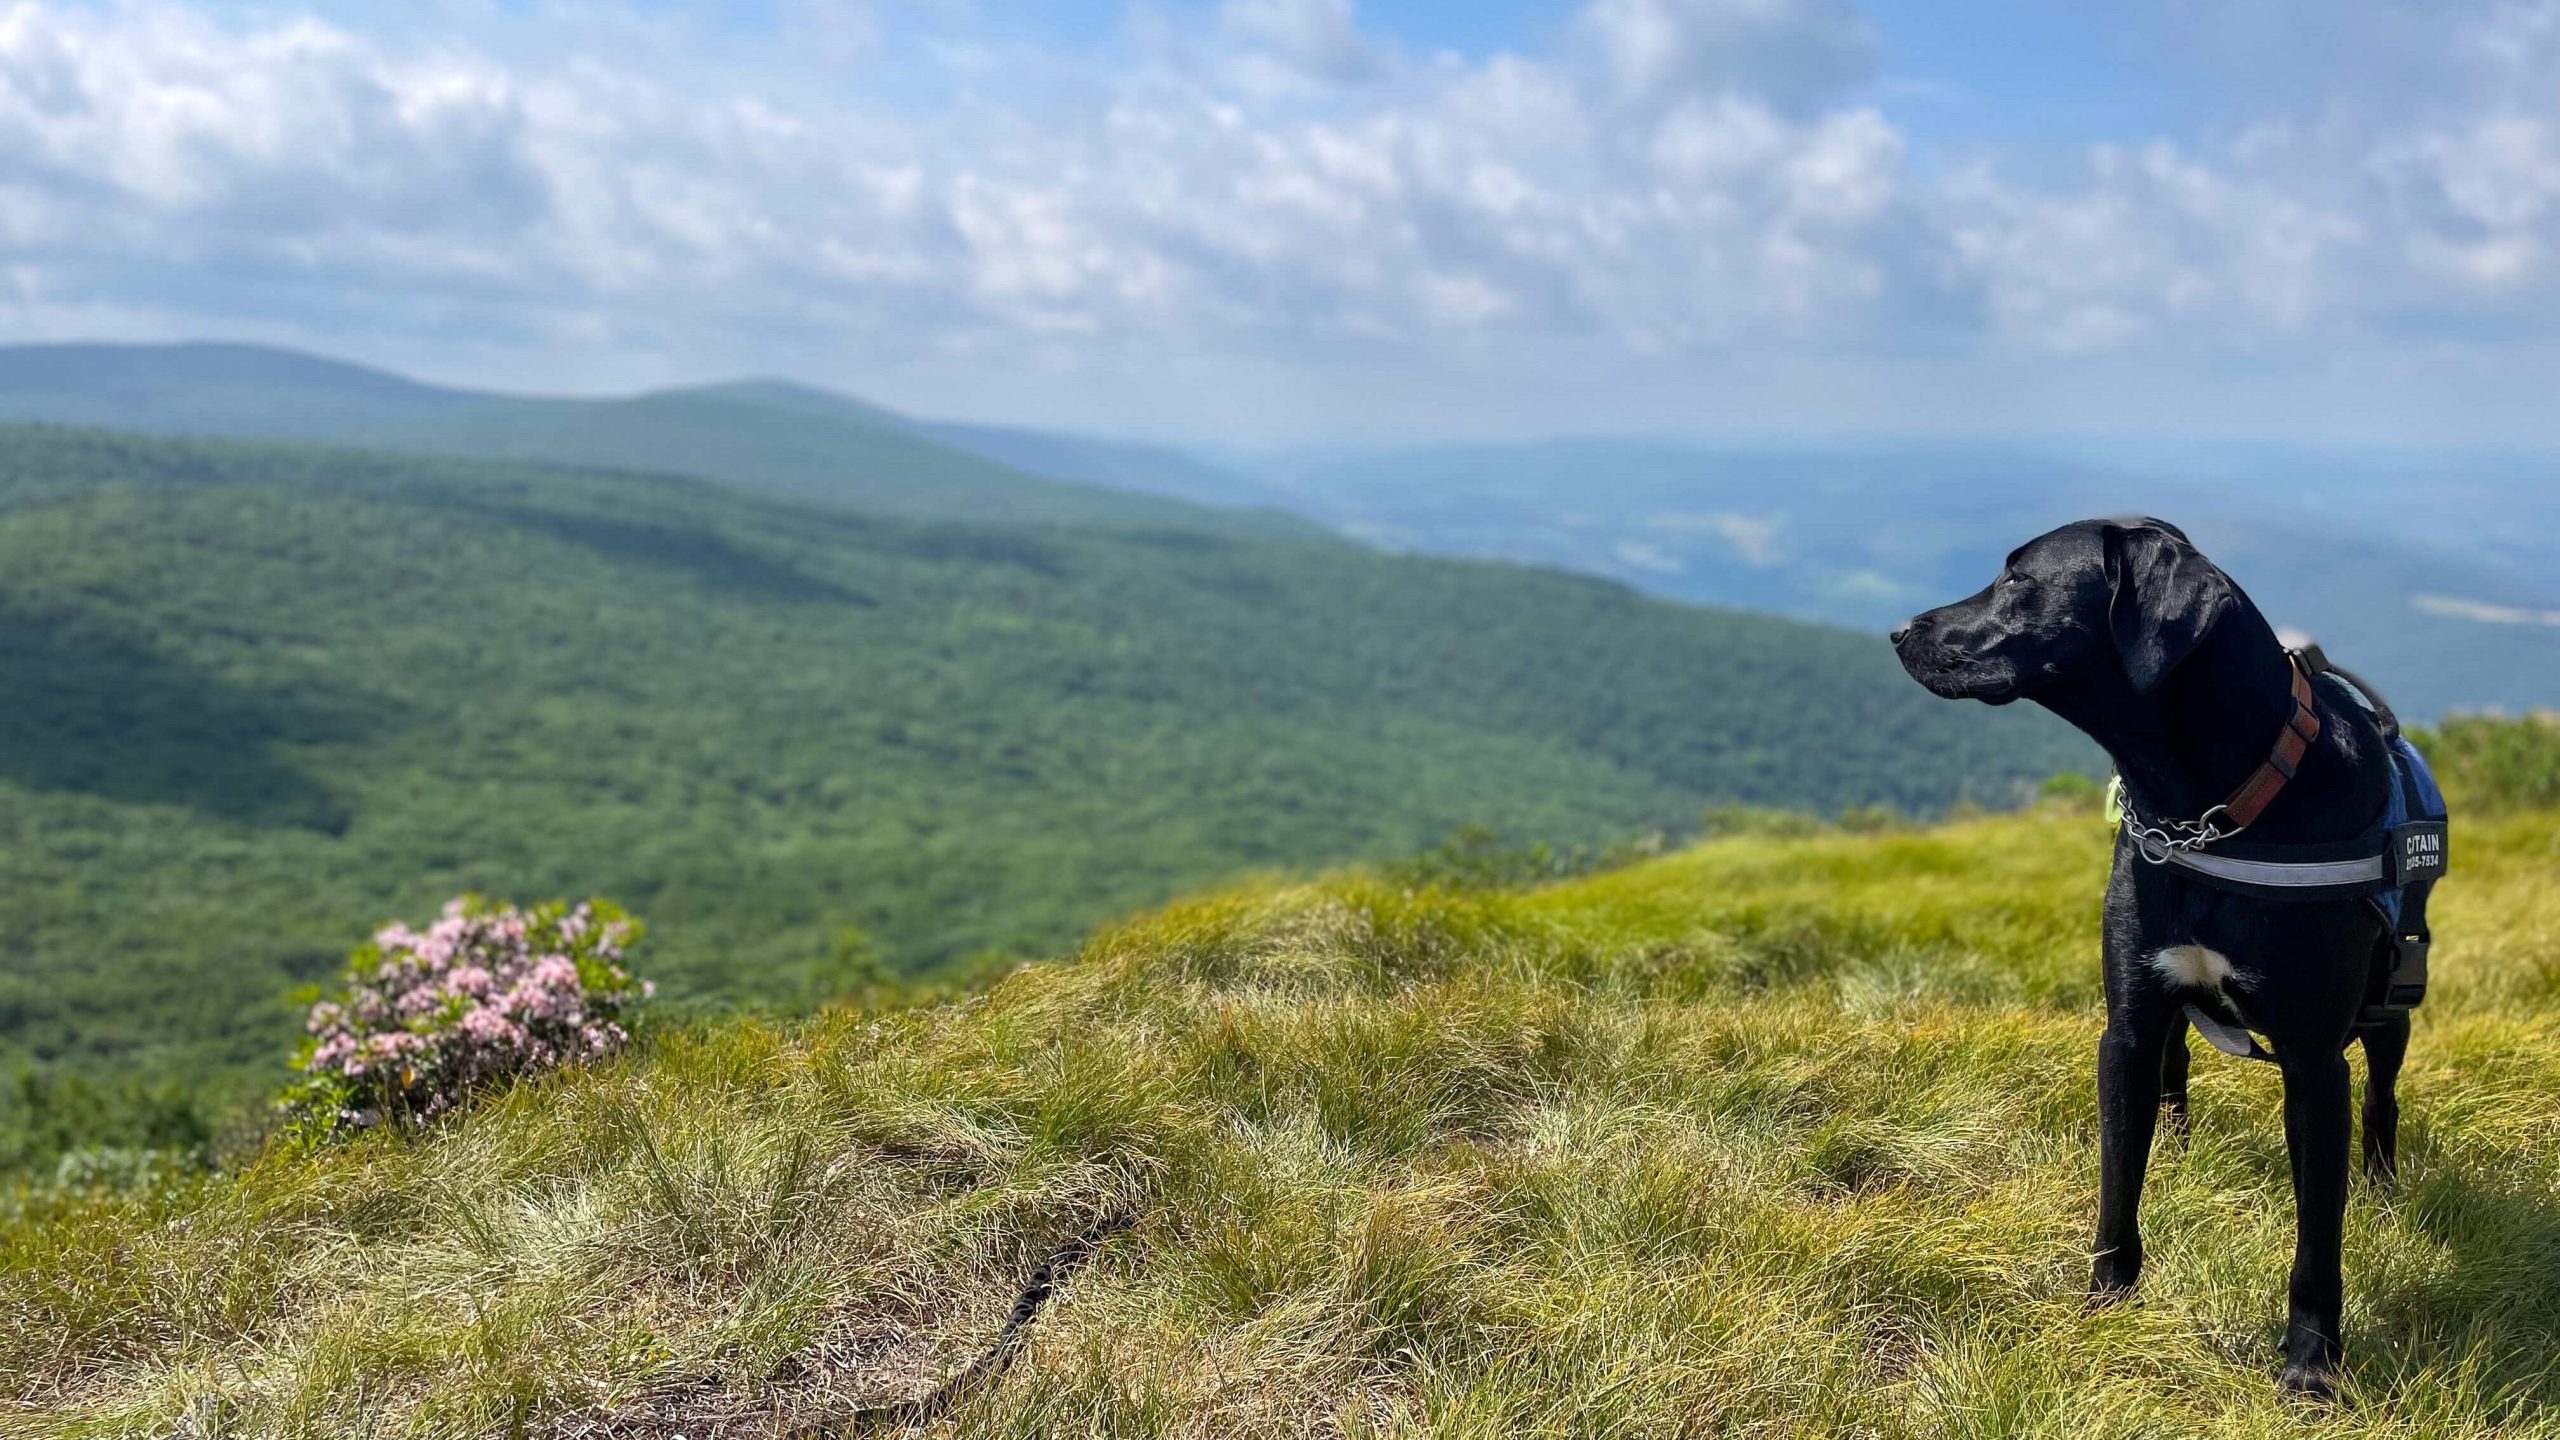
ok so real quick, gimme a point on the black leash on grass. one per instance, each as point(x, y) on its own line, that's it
point(1007, 1347)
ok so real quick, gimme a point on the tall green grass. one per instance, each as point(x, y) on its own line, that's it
point(2497, 762)
point(1781, 1135)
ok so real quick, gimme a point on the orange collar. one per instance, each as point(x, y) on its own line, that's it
point(2263, 786)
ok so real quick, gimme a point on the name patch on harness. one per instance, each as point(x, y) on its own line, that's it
point(2417, 851)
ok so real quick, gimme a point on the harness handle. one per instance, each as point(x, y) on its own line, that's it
point(2316, 662)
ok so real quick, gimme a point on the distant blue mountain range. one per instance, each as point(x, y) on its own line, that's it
point(2436, 573)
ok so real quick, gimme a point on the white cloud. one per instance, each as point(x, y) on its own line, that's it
point(2482, 203)
point(1319, 37)
point(1795, 52)
point(2456, 608)
point(1163, 204)
point(2151, 239)
point(2377, 211)
point(1682, 197)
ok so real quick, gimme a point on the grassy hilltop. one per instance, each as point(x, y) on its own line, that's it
point(1774, 1136)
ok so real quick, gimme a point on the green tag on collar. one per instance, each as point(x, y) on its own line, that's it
point(2115, 800)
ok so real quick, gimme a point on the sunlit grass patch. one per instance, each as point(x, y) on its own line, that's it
point(1777, 1136)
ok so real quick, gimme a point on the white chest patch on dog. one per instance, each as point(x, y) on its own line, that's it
point(2193, 966)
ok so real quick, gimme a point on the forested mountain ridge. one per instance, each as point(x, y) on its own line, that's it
point(769, 436)
point(264, 697)
point(2430, 571)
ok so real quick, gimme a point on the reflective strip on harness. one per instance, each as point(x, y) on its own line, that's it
point(2307, 875)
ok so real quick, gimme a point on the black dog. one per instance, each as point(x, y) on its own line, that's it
point(2128, 632)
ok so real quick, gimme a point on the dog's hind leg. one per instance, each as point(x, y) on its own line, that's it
point(2130, 1058)
point(2385, 1045)
point(2173, 1078)
point(2315, 1136)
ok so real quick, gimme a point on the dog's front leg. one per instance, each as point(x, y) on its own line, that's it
point(2129, 1061)
point(2316, 1127)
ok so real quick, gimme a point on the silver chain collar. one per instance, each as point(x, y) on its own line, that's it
point(2156, 843)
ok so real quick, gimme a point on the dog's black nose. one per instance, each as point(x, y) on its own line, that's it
point(1902, 631)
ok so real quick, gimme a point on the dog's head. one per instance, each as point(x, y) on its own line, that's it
point(2129, 594)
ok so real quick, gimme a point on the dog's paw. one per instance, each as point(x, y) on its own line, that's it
point(2112, 1277)
point(2312, 1358)
point(2314, 1380)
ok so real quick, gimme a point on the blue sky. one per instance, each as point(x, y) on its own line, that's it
point(1310, 220)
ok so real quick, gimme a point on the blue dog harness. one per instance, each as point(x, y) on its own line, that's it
point(2392, 865)
point(2402, 848)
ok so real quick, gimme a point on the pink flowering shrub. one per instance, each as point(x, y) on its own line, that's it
point(488, 993)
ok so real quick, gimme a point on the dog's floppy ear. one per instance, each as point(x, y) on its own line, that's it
point(2166, 597)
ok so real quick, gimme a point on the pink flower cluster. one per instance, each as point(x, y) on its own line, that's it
point(485, 994)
